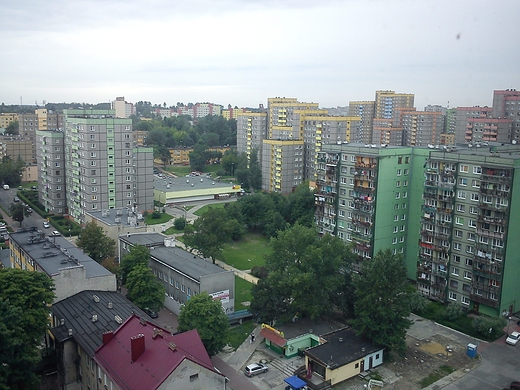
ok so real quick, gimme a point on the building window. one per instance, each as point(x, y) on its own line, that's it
point(461, 194)
point(455, 271)
point(453, 296)
point(463, 181)
point(396, 229)
point(477, 169)
point(398, 172)
point(457, 246)
point(464, 300)
point(463, 168)
point(183, 288)
point(461, 208)
point(467, 275)
point(177, 284)
point(474, 196)
point(459, 220)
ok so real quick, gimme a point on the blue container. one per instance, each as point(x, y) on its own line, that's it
point(471, 351)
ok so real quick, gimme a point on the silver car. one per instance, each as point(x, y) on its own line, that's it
point(255, 368)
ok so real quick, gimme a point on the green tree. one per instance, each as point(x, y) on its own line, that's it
point(25, 298)
point(138, 255)
point(206, 315)
point(198, 157)
point(12, 128)
point(144, 289)
point(211, 231)
point(17, 211)
point(269, 301)
point(11, 171)
point(162, 153)
point(300, 261)
point(93, 242)
point(300, 206)
point(179, 223)
point(383, 301)
point(490, 328)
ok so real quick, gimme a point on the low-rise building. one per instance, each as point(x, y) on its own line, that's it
point(116, 222)
point(71, 270)
point(77, 328)
point(182, 273)
point(140, 355)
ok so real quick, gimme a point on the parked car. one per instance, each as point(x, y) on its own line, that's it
point(255, 369)
point(16, 199)
point(55, 233)
point(151, 313)
point(34, 187)
point(513, 338)
point(514, 385)
point(46, 225)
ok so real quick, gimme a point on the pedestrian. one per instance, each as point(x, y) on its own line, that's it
point(252, 337)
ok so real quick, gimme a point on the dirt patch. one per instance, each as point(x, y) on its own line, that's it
point(425, 357)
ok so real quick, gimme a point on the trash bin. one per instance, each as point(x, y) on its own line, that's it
point(471, 351)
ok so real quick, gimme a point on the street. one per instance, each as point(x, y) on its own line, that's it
point(31, 220)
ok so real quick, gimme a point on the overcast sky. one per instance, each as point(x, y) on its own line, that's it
point(242, 52)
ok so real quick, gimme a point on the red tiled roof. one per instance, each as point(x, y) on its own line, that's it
point(157, 361)
point(273, 337)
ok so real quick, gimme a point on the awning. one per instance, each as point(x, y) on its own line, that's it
point(295, 382)
point(273, 337)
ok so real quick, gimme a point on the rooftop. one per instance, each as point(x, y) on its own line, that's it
point(109, 308)
point(175, 257)
point(342, 347)
point(190, 182)
point(148, 365)
point(121, 216)
point(55, 253)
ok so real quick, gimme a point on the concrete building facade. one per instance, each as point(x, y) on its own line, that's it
point(182, 274)
point(103, 169)
point(50, 146)
point(458, 204)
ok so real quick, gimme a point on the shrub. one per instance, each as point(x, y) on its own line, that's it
point(418, 303)
point(156, 215)
point(453, 312)
point(179, 223)
point(259, 272)
point(488, 327)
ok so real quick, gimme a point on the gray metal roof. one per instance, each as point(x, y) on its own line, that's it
point(117, 216)
point(53, 254)
point(77, 313)
point(177, 258)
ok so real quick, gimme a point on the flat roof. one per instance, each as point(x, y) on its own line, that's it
point(109, 217)
point(189, 182)
point(193, 266)
point(52, 254)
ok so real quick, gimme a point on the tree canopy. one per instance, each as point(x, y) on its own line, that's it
point(211, 231)
point(138, 255)
point(206, 315)
point(17, 211)
point(93, 242)
point(383, 300)
point(25, 298)
point(11, 171)
point(144, 289)
point(306, 275)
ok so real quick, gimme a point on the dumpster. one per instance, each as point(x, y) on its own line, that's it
point(471, 351)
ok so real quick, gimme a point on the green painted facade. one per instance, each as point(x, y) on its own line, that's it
point(453, 214)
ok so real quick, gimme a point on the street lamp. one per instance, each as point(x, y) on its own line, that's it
point(508, 323)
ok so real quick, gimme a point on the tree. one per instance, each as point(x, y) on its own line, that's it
point(11, 171)
point(383, 301)
point(299, 262)
point(12, 128)
point(144, 289)
point(198, 157)
point(206, 315)
point(138, 255)
point(94, 243)
point(25, 298)
point(211, 231)
point(300, 206)
point(162, 153)
point(17, 211)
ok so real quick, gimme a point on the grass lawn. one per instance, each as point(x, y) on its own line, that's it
point(205, 208)
point(165, 217)
point(239, 333)
point(172, 230)
point(436, 375)
point(247, 252)
point(242, 293)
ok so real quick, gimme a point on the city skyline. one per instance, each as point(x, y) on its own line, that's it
point(241, 53)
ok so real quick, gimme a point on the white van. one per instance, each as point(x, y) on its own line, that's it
point(6, 186)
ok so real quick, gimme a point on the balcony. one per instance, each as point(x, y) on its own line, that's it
point(484, 301)
point(487, 233)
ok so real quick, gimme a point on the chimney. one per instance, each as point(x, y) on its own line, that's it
point(137, 346)
point(107, 336)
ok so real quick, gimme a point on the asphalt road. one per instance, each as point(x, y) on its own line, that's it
point(31, 220)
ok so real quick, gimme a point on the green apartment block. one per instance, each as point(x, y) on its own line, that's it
point(451, 213)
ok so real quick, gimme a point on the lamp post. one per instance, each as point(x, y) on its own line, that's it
point(508, 323)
